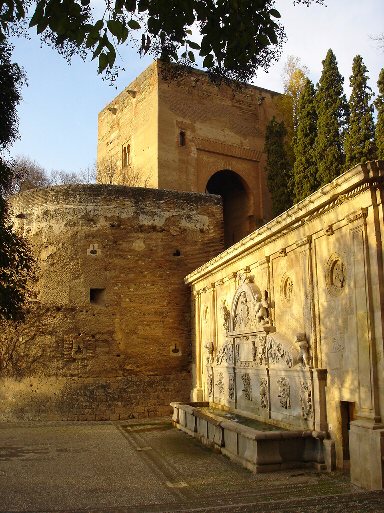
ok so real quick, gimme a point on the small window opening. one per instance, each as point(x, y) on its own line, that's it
point(177, 253)
point(126, 155)
point(96, 296)
point(182, 141)
point(175, 349)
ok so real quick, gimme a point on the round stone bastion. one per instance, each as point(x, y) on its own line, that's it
point(107, 334)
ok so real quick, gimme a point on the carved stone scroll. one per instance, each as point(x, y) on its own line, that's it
point(264, 401)
point(231, 388)
point(209, 382)
point(284, 392)
point(306, 400)
point(220, 383)
point(247, 386)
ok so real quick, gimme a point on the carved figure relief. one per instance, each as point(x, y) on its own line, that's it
point(250, 308)
point(262, 309)
point(286, 288)
point(247, 386)
point(264, 393)
point(335, 275)
point(301, 340)
point(220, 383)
point(231, 388)
point(306, 400)
point(209, 347)
point(226, 314)
point(241, 320)
point(284, 392)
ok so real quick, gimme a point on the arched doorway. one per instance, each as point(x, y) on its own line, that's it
point(231, 187)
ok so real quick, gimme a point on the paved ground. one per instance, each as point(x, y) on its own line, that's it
point(149, 467)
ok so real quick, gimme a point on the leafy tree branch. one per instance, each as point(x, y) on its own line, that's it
point(235, 37)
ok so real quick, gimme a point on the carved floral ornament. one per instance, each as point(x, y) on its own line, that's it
point(284, 393)
point(246, 379)
point(220, 383)
point(306, 400)
point(268, 350)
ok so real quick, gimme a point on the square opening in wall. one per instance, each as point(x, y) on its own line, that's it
point(182, 139)
point(96, 296)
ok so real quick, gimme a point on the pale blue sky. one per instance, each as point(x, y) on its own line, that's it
point(58, 115)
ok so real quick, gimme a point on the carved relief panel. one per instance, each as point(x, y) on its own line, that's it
point(250, 350)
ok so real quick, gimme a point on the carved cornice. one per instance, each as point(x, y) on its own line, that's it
point(356, 216)
point(304, 241)
point(356, 181)
point(231, 150)
point(339, 199)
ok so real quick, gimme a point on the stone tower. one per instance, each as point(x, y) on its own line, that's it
point(190, 134)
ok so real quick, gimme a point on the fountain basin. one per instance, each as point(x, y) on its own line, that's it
point(259, 448)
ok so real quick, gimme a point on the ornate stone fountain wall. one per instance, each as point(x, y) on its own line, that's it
point(258, 371)
point(289, 321)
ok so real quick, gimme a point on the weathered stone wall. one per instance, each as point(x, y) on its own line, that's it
point(108, 335)
point(320, 267)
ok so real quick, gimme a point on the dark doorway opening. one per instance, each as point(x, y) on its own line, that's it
point(232, 189)
point(347, 415)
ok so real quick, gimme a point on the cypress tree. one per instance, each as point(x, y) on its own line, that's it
point(305, 168)
point(278, 168)
point(359, 140)
point(332, 111)
point(379, 104)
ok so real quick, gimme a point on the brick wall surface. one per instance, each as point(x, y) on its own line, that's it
point(108, 335)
